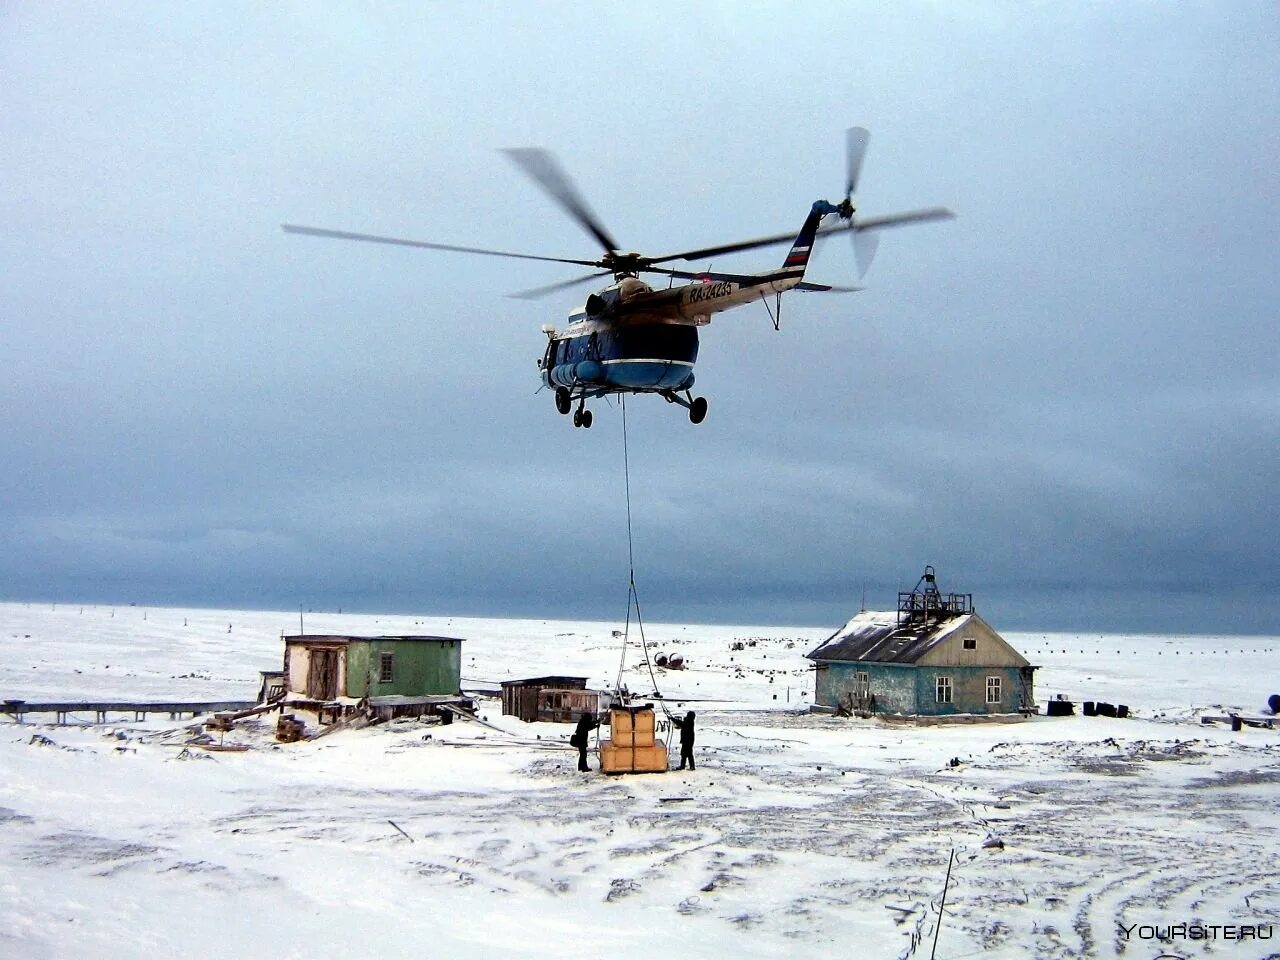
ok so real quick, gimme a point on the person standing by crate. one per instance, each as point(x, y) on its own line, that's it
point(686, 739)
point(580, 738)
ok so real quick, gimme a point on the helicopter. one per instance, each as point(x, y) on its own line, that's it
point(630, 338)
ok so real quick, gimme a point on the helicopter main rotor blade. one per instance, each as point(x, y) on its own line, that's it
point(543, 168)
point(538, 292)
point(927, 215)
point(856, 149)
point(691, 274)
point(867, 223)
point(704, 252)
point(395, 241)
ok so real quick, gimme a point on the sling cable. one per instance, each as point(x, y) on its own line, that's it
point(632, 747)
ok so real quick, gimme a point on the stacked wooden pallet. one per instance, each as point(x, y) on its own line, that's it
point(290, 729)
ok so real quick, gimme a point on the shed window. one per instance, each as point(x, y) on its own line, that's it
point(970, 643)
point(993, 689)
point(944, 689)
point(387, 667)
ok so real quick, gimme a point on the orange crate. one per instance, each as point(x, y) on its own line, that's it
point(628, 722)
point(624, 758)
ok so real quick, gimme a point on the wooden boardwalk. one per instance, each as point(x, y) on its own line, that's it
point(18, 709)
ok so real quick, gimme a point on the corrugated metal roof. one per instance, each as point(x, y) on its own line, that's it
point(347, 638)
point(875, 636)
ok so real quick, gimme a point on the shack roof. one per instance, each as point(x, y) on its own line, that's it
point(555, 681)
point(348, 638)
point(877, 636)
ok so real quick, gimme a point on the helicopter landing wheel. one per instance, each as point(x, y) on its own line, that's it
point(586, 419)
point(562, 399)
point(577, 418)
point(698, 410)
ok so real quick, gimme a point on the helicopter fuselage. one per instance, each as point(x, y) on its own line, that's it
point(631, 338)
point(605, 356)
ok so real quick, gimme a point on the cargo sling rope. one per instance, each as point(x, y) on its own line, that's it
point(633, 597)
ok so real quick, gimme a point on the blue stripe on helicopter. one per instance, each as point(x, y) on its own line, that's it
point(639, 374)
point(649, 374)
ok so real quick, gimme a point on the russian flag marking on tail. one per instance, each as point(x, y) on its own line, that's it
point(798, 256)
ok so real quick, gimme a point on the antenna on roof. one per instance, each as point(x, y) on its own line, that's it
point(926, 601)
point(864, 596)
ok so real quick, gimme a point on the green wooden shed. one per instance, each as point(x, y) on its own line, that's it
point(327, 667)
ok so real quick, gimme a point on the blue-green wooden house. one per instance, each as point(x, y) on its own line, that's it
point(933, 657)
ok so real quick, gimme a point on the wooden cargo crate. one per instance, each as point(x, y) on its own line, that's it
point(632, 724)
point(624, 758)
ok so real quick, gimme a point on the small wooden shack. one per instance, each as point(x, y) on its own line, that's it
point(396, 675)
point(549, 699)
point(933, 658)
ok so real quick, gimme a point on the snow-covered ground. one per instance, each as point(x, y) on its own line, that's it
point(798, 834)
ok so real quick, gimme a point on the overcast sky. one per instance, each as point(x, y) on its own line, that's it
point(1067, 399)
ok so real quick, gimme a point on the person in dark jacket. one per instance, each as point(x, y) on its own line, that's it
point(581, 736)
point(686, 739)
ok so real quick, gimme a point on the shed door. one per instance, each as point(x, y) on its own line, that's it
point(322, 678)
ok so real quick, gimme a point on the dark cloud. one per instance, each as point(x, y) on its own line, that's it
point(1066, 399)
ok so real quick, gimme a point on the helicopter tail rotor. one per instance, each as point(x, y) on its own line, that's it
point(855, 150)
point(865, 243)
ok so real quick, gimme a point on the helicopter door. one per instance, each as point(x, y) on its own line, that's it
point(549, 359)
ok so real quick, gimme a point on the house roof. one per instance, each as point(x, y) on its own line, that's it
point(347, 638)
point(546, 682)
point(876, 636)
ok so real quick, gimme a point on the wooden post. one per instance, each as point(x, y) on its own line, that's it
point(942, 906)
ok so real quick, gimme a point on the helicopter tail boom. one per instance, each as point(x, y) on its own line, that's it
point(798, 256)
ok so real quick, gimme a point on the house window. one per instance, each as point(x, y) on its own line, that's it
point(863, 677)
point(970, 643)
point(944, 689)
point(993, 689)
point(386, 667)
